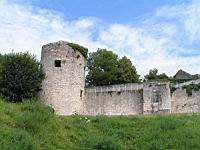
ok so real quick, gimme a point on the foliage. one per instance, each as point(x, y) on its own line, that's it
point(1, 59)
point(20, 76)
point(153, 75)
point(32, 126)
point(174, 80)
point(81, 49)
point(106, 69)
point(191, 87)
point(102, 66)
point(126, 72)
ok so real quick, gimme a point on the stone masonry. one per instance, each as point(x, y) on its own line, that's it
point(181, 102)
point(128, 99)
point(64, 90)
point(63, 87)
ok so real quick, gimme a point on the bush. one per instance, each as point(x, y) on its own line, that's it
point(20, 76)
point(189, 88)
point(81, 49)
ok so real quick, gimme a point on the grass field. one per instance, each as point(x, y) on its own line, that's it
point(32, 126)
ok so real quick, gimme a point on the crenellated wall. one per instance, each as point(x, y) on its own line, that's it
point(183, 103)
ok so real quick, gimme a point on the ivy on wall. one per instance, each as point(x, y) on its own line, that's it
point(81, 49)
point(191, 87)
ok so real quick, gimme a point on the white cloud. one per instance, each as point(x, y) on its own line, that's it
point(192, 20)
point(159, 41)
point(165, 41)
point(86, 23)
point(171, 12)
point(25, 28)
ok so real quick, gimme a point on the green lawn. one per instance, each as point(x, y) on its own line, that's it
point(30, 125)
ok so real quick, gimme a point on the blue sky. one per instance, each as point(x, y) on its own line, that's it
point(120, 11)
point(159, 33)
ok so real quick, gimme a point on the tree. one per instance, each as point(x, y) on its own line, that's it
point(106, 69)
point(102, 66)
point(163, 76)
point(20, 76)
point(153, 75)
point(1, 60)
point(126, 71)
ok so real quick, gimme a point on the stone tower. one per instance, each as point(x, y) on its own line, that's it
point(63, 87)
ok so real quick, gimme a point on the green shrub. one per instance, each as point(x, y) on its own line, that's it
point(81, 49)
point(191, 87)
point(20, 76)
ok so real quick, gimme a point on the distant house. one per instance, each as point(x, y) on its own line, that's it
point(181, 74)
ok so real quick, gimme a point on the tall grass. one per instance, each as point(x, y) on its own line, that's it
point(32, 126)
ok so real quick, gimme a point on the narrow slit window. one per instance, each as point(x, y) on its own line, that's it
point(81, 93)
point(57, 63)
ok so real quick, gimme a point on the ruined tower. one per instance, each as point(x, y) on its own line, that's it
point(63, 87)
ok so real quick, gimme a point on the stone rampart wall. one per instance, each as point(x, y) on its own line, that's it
point(128, 99)
point(183, 103)
point(114, 100)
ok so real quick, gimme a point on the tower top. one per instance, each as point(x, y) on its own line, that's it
point(58, 45)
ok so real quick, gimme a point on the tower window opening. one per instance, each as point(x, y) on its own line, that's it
point(81, 93)
point(57, 63)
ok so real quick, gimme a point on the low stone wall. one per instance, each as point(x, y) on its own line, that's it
point(114, 100)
